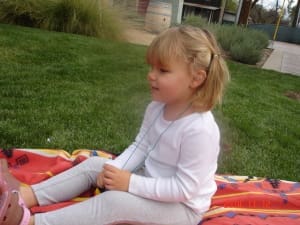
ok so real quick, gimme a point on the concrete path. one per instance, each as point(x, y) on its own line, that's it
point(285, 58)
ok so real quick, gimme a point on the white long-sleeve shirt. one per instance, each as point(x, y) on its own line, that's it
point(180, 158)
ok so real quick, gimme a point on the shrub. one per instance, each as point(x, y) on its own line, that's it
point(245, 51)
point(20, 12)
point(241, 44)
point(92, 18)
point(261, 38)
point(87, 17)
point(196, 21)
point(246, 45)
point(225, 35)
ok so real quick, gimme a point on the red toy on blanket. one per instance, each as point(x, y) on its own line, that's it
point(239, 200)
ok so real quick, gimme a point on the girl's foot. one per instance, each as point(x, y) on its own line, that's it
point(16, 214)
point(12, 182)
point(12, 208)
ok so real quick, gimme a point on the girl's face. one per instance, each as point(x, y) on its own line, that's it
point(171, 84)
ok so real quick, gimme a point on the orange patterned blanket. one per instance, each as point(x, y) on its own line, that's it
point(239, 200)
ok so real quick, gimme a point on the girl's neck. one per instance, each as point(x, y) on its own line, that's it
point(175, 112)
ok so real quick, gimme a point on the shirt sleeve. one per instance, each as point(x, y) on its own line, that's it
point(134, 156)
point(196, 166)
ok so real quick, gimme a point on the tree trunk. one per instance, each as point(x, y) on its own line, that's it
point(294, 23)
point(245, 10)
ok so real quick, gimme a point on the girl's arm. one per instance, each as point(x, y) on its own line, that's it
point(135, 155)
point(195, 171)
point(132, 157)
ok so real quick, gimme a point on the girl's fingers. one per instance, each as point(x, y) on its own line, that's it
point(107, 181)
point(100, 183)
point(111, 168)
point(108, 174)
point(109, 184)
point(100, 180)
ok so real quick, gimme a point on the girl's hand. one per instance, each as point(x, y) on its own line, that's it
point(116, 179)
point(100, 179)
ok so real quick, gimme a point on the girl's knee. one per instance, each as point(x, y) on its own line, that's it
point(115, 198)
point(95, 162)
point(96, 159)
point(110, 196)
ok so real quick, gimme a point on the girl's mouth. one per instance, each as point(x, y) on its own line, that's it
point(154, 90)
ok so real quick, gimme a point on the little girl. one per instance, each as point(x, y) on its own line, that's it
point(166, 176)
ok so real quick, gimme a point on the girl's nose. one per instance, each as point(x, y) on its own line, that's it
point(151, 75)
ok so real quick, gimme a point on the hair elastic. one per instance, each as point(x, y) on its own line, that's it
point(212, 57)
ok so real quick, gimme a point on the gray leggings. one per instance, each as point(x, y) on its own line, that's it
point(110, 207)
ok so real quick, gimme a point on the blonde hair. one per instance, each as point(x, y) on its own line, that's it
point(199, 48)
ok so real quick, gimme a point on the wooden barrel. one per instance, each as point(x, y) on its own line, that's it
point(158, 16)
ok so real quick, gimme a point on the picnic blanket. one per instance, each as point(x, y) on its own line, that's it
point(239, 200)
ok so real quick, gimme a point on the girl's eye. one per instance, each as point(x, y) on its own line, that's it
point(162, 70)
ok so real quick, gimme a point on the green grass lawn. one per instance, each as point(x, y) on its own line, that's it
point(69, 92)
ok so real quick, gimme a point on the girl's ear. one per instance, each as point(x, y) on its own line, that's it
point(198, 78)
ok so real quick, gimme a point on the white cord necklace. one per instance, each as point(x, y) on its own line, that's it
point(158, 138)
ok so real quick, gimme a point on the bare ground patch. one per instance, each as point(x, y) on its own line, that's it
point(293, 95)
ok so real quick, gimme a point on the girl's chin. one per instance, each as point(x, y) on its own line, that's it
point(156, 99)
